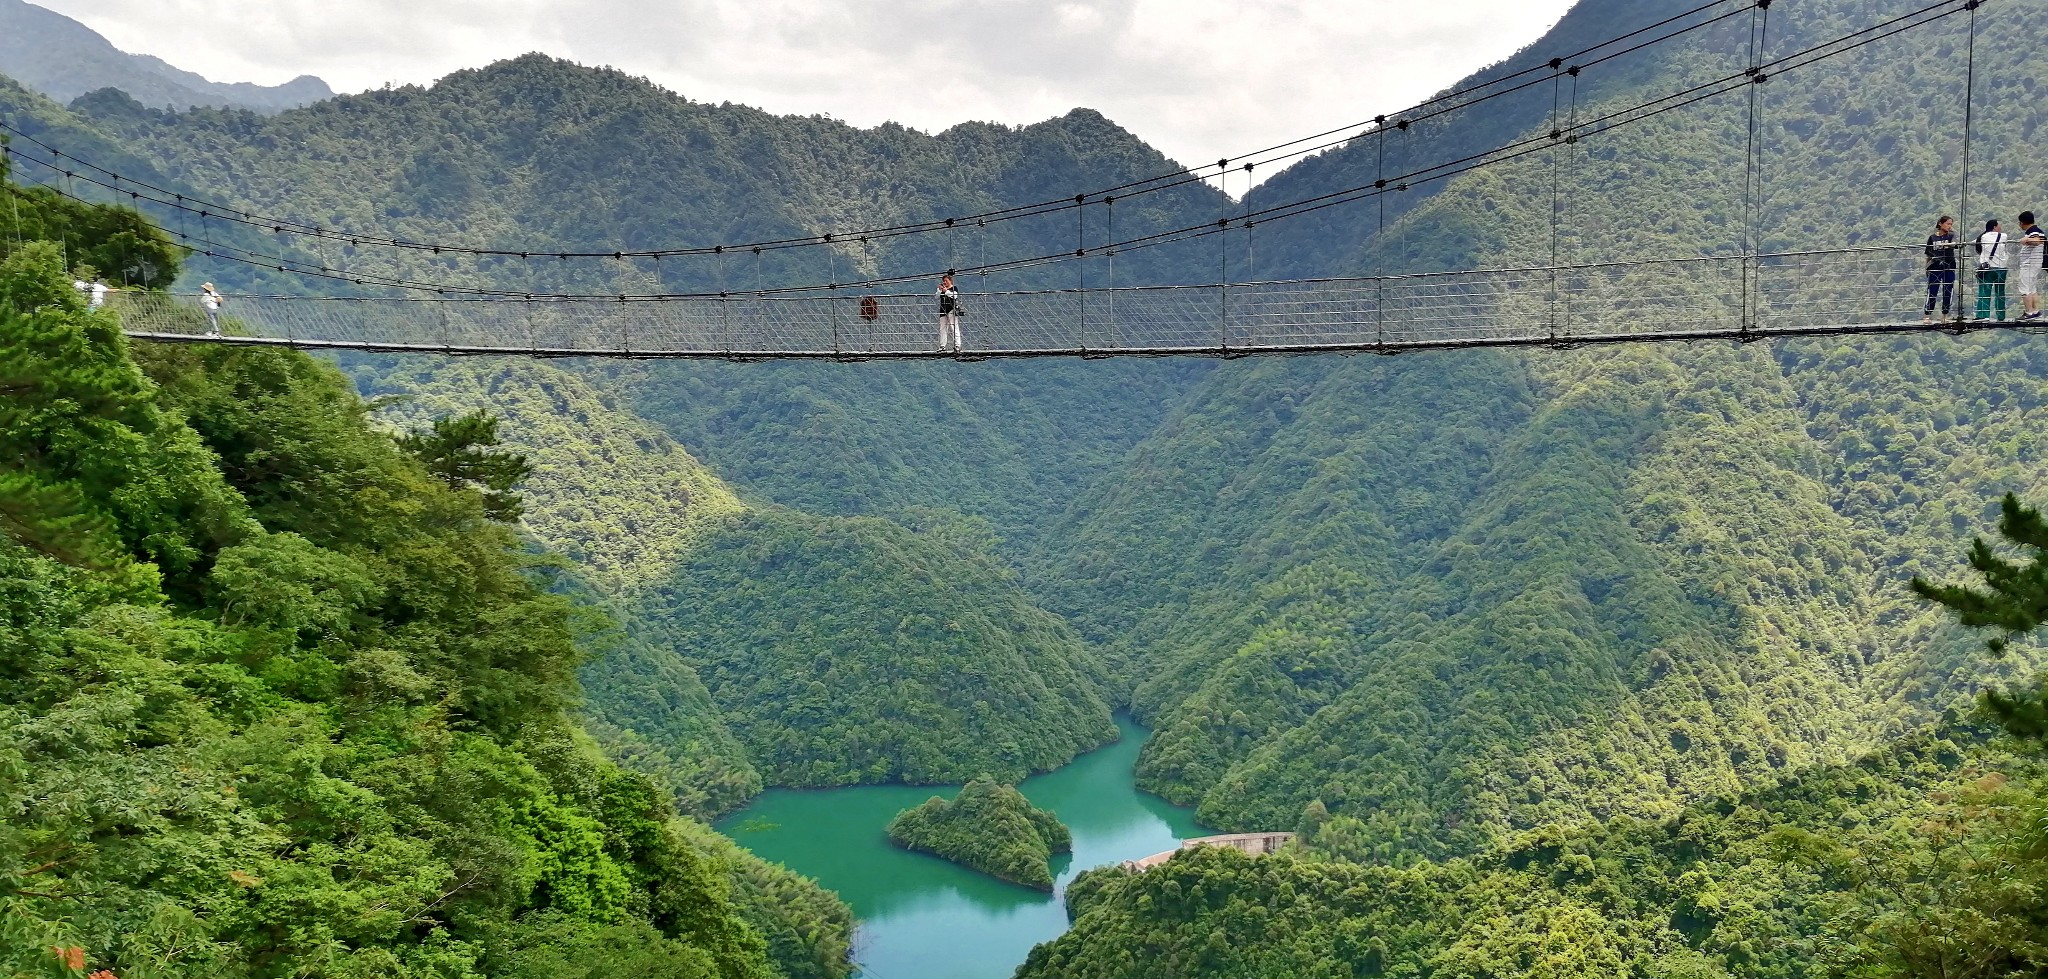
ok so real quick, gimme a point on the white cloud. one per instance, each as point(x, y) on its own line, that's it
point(1200, 79)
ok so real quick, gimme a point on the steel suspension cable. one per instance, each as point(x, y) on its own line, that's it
point(1165, 181)
point(1571, 166)
point(1379, 238)
point(1615, 119)
point(1403, 124)
point(1115, 330)
point(1612, 120)
point(1556, 142)
point(1223, 251)
point(1969, 116)
point(1752, 185)
point(1081, 268)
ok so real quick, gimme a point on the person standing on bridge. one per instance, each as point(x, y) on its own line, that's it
point(1941, 268)
point(2029, 256)
point(210, 301)
point(99, 290)
point(949, 315)
point(1993, 255)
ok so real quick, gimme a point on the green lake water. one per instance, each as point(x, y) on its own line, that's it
point(925, 918)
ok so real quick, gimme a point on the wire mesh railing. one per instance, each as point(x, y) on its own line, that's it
point(1851, 290)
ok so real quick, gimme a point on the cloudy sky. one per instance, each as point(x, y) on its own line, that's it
point(1200, 79)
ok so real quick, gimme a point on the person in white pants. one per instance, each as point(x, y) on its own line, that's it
point(949, 315)
point(2026, 268)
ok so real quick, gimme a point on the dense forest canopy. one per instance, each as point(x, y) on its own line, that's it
point(1928, 858)
point(280, 699)
point(990, 827)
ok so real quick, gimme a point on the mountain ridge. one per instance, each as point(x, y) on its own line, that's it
point(64, 59)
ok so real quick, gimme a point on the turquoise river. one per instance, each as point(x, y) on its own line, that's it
point(925, 918)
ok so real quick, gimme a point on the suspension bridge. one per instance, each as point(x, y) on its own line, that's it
point(1736, 291)
point(1738, 298)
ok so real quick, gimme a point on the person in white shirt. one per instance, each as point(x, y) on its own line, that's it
point(2028, 258)
point(949, 315)
point(1993, 255)
point(99, 294)
point(210, 301)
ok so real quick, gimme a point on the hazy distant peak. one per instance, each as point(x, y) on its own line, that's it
point(63, 59)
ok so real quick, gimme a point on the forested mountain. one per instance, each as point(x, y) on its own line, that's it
point(1914, 862)
point(281, 700)
point(1651, 576)
point(836, 650)
point(1859, 147)
point(849, 649)
point(1013, 444)
point(629, 508)
point(64, 59)
point(1449, 604)
point(1626, 579)
point(1287, 534)
point(540, 153)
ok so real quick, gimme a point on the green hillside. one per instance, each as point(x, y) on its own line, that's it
point(856, 650)
point(279, 701)
point(608, 491)
point(1635, 578)
point(535, 150)
point(1927, 858)
point(626, 503)
point(940, 667)
point(1916, 862)
point(1641, 607)
point(1011, 443)
point(538, 150)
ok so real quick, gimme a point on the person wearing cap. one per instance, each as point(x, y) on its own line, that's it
point(210, 301)
point(949, 315)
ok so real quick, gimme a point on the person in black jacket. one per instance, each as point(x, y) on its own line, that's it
point(1941, 268)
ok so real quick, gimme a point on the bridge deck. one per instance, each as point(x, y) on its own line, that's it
point(1739, 298)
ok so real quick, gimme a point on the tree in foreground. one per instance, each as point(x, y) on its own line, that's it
point(2012, 602)
point(1970, 897)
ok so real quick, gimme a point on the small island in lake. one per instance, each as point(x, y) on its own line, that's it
point(988, 827)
